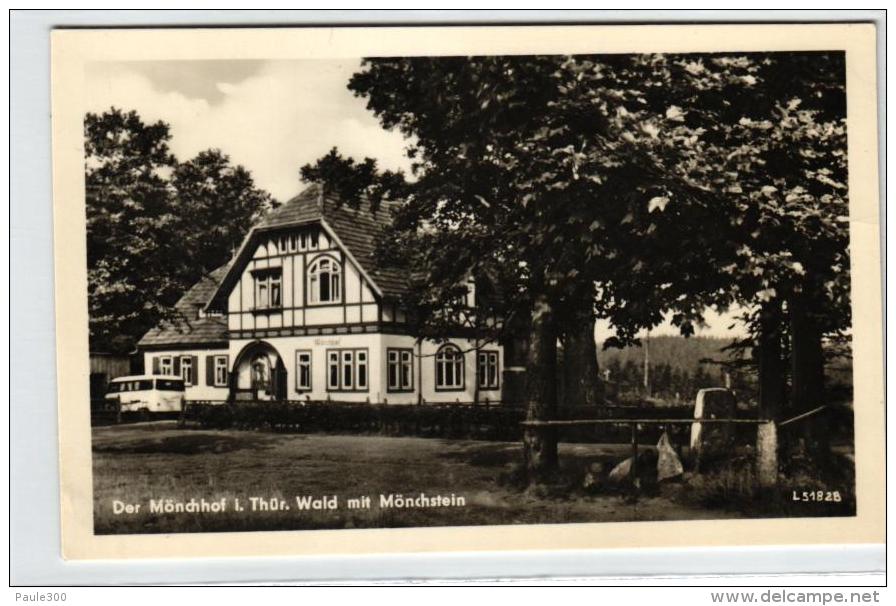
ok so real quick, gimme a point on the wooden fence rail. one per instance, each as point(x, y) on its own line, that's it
point(634, 423)
point(766, 447)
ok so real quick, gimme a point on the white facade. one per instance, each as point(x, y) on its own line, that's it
point(199, 368)
point(377, 368)
point(306, 321)
point(287, 259)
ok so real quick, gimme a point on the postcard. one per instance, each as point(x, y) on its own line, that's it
point(356, 290)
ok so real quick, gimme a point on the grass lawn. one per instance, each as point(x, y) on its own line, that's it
point(135, 463)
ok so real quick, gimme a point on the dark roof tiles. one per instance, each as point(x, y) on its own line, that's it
point(358, 229)
point(357, 226)
point(302, 208)
point(191, 330)
point(201, 332)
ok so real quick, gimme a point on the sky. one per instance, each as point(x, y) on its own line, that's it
point(272, 117)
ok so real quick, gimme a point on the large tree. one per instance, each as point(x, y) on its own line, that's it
point(549, 172)
point(217, 203)
point(131, 245)
point(154, 225)
point(624, 187)
point(777, 150)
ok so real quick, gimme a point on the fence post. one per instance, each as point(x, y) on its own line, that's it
point(633, 470)
point(767, 454)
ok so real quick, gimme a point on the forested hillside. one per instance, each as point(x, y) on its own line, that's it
point(675, 369)
point(678, 352)
point(679, 367)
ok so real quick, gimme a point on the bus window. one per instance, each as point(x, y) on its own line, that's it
point(169, 385)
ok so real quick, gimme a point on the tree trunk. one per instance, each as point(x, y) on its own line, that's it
point(516, 355)
point(771, 362)
point(540, 443)
point(581, 374)
point(769, 357)
point(807, 374)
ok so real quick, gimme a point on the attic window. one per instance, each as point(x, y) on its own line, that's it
point(268, 289)
point(324, 281)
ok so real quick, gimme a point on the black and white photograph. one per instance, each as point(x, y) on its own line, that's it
point(468, 290)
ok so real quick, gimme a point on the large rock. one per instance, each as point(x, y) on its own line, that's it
point(668, 464)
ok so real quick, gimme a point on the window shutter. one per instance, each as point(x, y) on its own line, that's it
point(176, 366)
point(209, 370)
point(195, 366)
point(155, 365)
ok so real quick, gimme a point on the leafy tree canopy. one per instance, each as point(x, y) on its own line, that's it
point(669, 182)
point(154, 225)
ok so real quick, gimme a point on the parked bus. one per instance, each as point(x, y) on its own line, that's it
point(147, 393)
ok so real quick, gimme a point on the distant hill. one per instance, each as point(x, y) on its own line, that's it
point(676, 371)
point(678, 352)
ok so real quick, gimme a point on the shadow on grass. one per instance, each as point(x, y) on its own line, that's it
point(189, 444)
point(484, 455)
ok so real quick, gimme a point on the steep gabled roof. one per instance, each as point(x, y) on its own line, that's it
point(192, 331)
point(197, 297)
point(303, 208)
point(356, 229)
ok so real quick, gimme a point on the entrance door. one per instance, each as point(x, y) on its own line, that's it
point(261, 377)
point(259, 374)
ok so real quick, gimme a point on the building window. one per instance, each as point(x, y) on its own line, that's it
point(166, 365)
point(361, 370)
point(312, 240)
point(186, 370)
point(293, 242)
point(449, 369)
point(221, 371)
point(268, 288)
point(333, 370)
point(303, 370)
point(348, 367)
point(282, 243)
point(487, 367)
point(400, 369)
point(347, 370)
point(324, 281)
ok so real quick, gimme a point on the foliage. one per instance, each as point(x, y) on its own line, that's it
point(217, 203)
point(527, 171)
point(671, 182)
point(154, 225)
point(133, 271)
point(353, 182)
point(776, 149)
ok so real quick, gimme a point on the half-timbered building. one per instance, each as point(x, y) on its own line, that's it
point(304, 311)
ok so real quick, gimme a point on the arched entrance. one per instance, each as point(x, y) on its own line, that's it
point(258, 374)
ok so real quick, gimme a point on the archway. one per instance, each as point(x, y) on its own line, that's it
point(258, 374)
